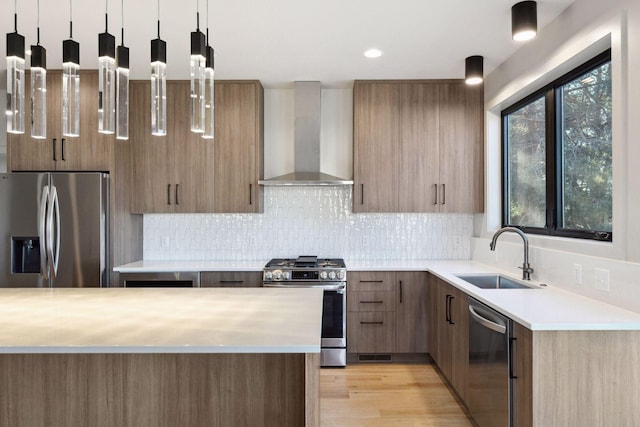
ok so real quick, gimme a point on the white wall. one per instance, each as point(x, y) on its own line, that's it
point(584, 29)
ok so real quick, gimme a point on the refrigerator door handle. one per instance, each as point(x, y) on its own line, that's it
point(42, 232)
point(55, 256)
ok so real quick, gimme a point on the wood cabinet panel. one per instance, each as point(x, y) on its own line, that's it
point(230, 279)
point(522, 359)
point(238, 140)
point(375, 152)
point(153, 155)
point(461, 148)
point(371, 301)
point(362, 281)
point(411, 312)
point(371, 332)
point(419, 147)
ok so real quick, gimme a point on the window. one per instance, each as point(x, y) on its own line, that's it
point(557, 169)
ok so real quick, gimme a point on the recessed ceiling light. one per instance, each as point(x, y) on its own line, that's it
point(373, 53)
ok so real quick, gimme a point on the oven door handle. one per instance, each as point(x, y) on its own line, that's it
point(325, 287)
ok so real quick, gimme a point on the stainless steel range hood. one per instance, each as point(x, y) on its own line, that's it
point(307, 142)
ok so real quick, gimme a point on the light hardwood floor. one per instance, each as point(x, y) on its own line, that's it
point(397, 395)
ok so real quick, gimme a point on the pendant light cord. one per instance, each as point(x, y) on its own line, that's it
point(158, 18)
point(207, 18)
point(70, 19)
point(122, 21)
point(15, 15)
point(198, 15)
point(38, 25)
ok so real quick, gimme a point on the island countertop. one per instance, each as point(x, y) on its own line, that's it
point(198, 320)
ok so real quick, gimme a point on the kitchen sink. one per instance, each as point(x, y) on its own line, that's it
point(494, 281)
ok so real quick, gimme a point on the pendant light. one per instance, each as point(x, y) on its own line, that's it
point(122, 87)
point(473, 70)
point(15, 78)
point(158, 83)
point(106, 77)
point(198, 62)
point(209, 96)
point(38, 86)
point(524, 20)
point(70, 82)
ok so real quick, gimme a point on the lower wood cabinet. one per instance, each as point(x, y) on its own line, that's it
point(230, 279)
point(449, 336)
point(522, 359)
point(387, 312)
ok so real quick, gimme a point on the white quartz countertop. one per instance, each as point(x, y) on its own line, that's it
point(194, 320)
point(545, 308)
point(188, 266)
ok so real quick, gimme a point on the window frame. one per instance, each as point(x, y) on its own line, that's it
point(553, 156)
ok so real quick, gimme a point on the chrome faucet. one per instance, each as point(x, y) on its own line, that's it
point(526, 268)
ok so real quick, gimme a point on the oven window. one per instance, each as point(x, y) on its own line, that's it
point(332, 315)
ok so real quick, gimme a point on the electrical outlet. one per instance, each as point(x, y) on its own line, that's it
point(577, 274)
point(457, 240)
point(602, 279)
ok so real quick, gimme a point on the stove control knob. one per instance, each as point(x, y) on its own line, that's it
point(286, 275)
point(268, 275)
point(323, 275)
point(277, 274)
point(341, 275)
point(332, 275)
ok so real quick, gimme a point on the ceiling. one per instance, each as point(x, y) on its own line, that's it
point(281, 41)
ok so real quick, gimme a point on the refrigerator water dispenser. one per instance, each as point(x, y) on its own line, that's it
point(25, 255)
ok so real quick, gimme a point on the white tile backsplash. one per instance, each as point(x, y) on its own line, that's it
point(307, 220)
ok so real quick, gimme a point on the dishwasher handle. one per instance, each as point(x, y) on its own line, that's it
point(494, 324)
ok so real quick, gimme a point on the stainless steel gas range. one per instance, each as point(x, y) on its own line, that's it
point(328, 274)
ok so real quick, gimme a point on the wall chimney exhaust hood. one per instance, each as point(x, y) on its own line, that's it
point(307, 142)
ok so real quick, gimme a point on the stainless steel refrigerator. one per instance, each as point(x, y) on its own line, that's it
point(54, 229)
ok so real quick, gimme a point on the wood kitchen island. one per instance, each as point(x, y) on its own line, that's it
point(160, 357)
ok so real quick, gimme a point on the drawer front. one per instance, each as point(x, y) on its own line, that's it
point(367, 281)
point(371, 301)
point(371, 332)
point(230, 279)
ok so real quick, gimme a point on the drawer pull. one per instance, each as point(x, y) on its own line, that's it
point(371, 302)
point(371, 281)
point(371, 323)
point(231, 281)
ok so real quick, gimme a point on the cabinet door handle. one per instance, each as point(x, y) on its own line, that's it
point(251, 194)
point(176, 194)
point(451, 322)
point(371, 323)
point(371, 281)
point(443, 194)
point(169, 194)
point(54, 150)
point(511, 342)
point(435, 189)
point(63, 159)
point(362, 194)
point(400, 291)
point(371, 302)
point(447, 309)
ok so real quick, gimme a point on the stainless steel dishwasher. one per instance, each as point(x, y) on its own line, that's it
point(490, 385)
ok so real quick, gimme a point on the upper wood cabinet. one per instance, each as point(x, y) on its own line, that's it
point(239, 152)
point(417, 146)
point(91, 151)
point(183, 173)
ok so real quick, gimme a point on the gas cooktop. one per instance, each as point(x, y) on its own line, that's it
point(305, 261)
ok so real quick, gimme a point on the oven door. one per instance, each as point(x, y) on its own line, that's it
point(334, 310)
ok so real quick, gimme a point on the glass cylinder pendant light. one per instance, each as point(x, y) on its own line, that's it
point(158, 83)
point(209, 90)
point(198, 62)
point(122, 87)
point(106, 78)
point(15, 79)
point(38, 91)
point(70, 83)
